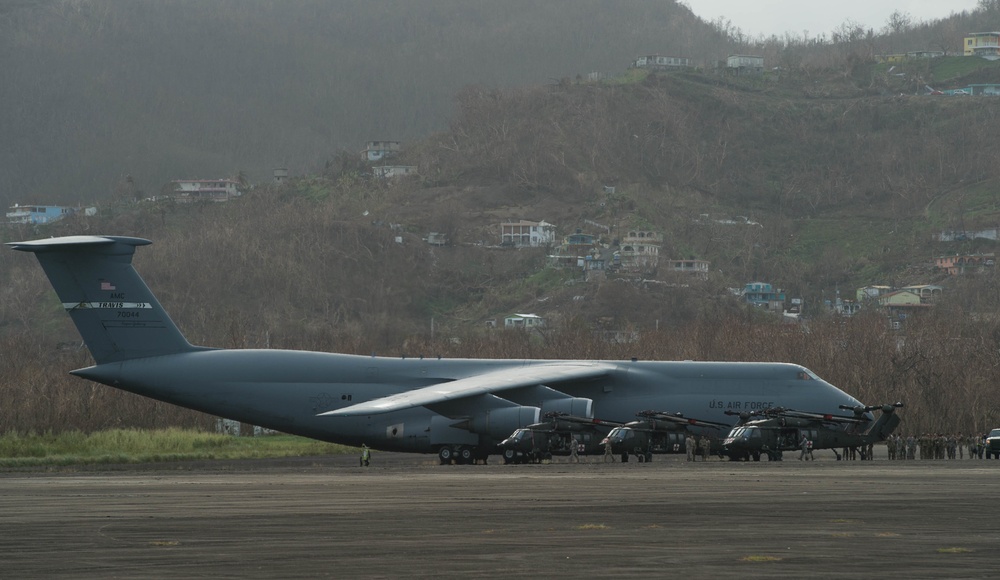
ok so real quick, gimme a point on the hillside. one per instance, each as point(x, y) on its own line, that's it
point(843, 191)
point(818, 180)
point(98, 89)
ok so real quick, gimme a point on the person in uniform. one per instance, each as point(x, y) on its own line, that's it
point(574, 456)
point(804, 447)
point(366, 455)
point(705, 446)
point(608, 456)
point(689, 446)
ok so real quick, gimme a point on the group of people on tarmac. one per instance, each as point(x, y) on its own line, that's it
point(697, 447)
point(899, 447)
point(936, 446)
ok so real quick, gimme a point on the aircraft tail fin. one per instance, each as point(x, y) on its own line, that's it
point(886, 424)
point(113, 309)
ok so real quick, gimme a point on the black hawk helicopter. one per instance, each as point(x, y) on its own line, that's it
point(658, 432)
point(555, 436)
point(775, 430)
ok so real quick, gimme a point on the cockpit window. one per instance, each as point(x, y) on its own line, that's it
point(620, 434)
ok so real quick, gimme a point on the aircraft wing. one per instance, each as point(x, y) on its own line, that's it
point(486, 383)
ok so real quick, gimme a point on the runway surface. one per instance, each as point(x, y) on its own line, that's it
point(407, 517)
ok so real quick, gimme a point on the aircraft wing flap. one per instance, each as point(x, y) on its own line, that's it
point(485, 383)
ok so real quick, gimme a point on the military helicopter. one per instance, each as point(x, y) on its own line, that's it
point(554, 436)
point(778, 429)
point(658, 432)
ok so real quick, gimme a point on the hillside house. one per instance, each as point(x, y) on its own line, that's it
point(925, 54)
point(656, 62)
point(392, 171)
point(983, 90)
point(764, 295)
point(901, 304)
point(43, 214)
point(926, 292)
point(983, 44)
point(963, 235)
point(745, 63)
point(597, 259)
point(965, 264)
point(640, 251)
point(912, 55)
point(523, 233)
point(871, 292)
point(579, 240)
point(190, 190)
point(695, 267)
point(890, 58)
point(842, 307)
point(523, 321)
point(378, 150)
point(437, 239)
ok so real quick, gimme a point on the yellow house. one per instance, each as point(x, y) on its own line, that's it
point(899, 298)
point(984, 44)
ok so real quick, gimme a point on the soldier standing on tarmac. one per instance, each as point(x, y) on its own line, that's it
point(805, 451)
point(689, 446)
point(705, 446)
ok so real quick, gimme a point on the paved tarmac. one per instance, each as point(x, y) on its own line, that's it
point(407, 517)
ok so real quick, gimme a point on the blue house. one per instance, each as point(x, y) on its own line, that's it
point(764, 295)
point(42, 214)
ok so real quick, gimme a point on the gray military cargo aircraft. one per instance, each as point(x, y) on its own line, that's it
point(458, 408)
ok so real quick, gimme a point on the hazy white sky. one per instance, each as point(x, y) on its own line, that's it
point(769, 17)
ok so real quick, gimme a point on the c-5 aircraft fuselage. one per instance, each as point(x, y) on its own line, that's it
point(459, 408)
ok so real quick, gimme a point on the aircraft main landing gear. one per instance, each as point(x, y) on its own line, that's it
point(463, 455)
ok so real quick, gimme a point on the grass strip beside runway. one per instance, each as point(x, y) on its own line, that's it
point(141, 446)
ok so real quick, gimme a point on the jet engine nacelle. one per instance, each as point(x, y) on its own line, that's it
point(500, 423)
point(576, 407)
